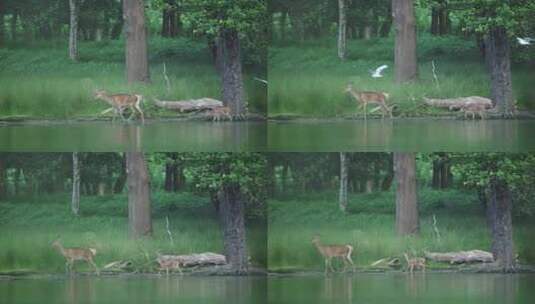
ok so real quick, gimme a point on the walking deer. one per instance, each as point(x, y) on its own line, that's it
point(168, 262)
point(119, 102)
point(76, 254)
point(334, 251)
point(219, 113)
point(473, 109)
point(373, 98)
point(413, 263)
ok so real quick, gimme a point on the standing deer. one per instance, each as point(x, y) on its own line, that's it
point(219, 113)
point(413, 263)
point(334, 251)
point(473, 109)
point(119, 102)
point(374, 98)
point(76, 254)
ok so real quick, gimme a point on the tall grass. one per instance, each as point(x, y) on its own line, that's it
point(308, 80)
point(30, 225)
point(369, 227)
point(42, 82)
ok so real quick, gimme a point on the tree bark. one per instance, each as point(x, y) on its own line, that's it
point(169, 22)
point(342, 200)
point(73, 30)
point(407, 221)
point(75, 201)
point(499, 65)
point(137, 61)
point(139, 213)
point(232, 218)
point(442, 176)
point(342, 28)
point(405, 61)
point(500, 221)
point(231, 78)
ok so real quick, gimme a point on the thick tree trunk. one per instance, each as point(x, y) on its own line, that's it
point(137, 60)
point(342, 27)
point(73, 30)
point(232, 218)
point(231, 78)
point(139, 213)
point(342, 199)
point(500, 222)
point(407, 221)
point(75, 201)
point(406, 68)
point(499, 65)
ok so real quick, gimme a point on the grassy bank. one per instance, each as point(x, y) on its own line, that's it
point(369, 228)
point(29, 226)
point(41, 82)
point(309, 79)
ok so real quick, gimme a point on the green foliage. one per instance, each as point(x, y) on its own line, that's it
point(483, 15)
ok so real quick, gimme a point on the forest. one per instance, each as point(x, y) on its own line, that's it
point(436, 49)
point(131, 207)
point(387, 204)
point(55, 55)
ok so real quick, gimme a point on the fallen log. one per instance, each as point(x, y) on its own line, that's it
point(196, 259)
point(189, 105)
point(459, 103)
point(460, 257)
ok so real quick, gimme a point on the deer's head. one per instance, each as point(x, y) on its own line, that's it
point(56, 243)
point(315, 239)
point(99, 94)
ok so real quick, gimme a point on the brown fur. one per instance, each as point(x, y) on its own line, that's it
point(474, 109)
point(76, 254)
point(374, 98)
point(166, 263)
point(414, 263)
point(334, 251)
point(220, 112)
point(119, 102)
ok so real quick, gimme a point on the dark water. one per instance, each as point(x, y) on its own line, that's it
point(152, 137)
point(403, 288)
point(421, 135)
point(194, 290)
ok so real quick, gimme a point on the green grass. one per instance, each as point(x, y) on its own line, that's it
point(369, 227)
point(40, 81)
point(308, 80)
point(30, 225)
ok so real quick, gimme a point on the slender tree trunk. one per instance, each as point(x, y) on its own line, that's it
point(406, 68)
point(500, 221)
point(139, 213)
point(342, 28)
point(117, 28)
point(121, 179)
point(14, 19)
point(407, 221)
point(233, 93)
point(169, 22)
point(75, 201)
point(232, 218)
point(499, 65)
point(169, 183)
point(442, 176)
point(342, 199)
point(3, 187)
point(73, 30)
point(2, 26)
point(137, 60)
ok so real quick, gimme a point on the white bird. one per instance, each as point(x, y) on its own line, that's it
point(378, 71)
point(260, 80)
point(525, 40)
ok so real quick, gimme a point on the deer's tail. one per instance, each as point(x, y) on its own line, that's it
point(139, 99)
point(93, 251)
point(349, 251)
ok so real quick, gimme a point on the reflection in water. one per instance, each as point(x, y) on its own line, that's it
point(405, 288)
point(151, 137)
point(424, 135)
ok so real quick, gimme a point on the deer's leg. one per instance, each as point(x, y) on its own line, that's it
point(326, 265)
point(90, 261)
point(365, 110)
point(348, 257)
point(331, 264)
point(140, 112)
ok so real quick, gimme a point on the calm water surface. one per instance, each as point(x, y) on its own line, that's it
point(437, 288)
point(152, 137)
point(422, 135)
point(194, 290)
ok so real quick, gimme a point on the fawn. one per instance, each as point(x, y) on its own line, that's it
point(334, 251)
point(168, 262)
point(219, 112)
point(474, 109)
point(365, 98)
point(119, 102)
point(413, 263)
point(76, 254)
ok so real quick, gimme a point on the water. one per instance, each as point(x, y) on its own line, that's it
point(421, 135)
point(437, 288)
point(116, 137)
point(143, 290)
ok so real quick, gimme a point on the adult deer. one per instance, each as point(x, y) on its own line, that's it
point(334, 251)
point(76, 254)
point(119, 102)
point(374, 98)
